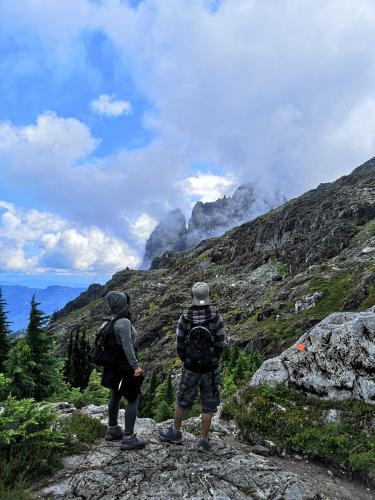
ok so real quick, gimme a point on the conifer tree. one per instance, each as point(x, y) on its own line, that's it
point(45, 370)
point(19, 369)
point(85, 361)
point(147, 400)
point(5, 341)
point(68, 364)
point(164, 400)
point(75, 380)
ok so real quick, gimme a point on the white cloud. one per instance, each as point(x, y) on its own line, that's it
point(36, 242)
point(286, 104)
point(142, 227)
point(53, 142)
point(107, 105)
point(208, 187)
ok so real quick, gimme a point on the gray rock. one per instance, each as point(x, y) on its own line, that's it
point(337, 361)
point(332, 416)
point(163, 471)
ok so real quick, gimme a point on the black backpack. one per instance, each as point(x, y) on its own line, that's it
point(200, 345)
point(105, 350)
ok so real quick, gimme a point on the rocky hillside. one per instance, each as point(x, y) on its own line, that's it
point(207, 220)
point(272, 278)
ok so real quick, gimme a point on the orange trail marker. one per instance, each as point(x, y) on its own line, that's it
point(300, 347)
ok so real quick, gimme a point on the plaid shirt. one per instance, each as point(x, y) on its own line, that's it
point(196, 315)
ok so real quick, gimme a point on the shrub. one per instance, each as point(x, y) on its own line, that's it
point(29, 445)
point(4, 386)
point(295, 422)
point(80, 429)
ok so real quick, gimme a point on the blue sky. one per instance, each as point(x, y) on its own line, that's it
point(113, 112)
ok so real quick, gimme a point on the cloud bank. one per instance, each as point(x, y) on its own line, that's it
point(280, 94)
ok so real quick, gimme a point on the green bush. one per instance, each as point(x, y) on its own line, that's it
point(295, 422)
point(4, 386)
point(80, 429)
point(29, 445)
point(95, 393)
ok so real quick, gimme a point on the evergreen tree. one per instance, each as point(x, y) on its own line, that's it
point(148, 397)
point(45, 367)
point(77, 367)
point(164, 400)
point(68, 364)
point(19, 369)
point(85, 364)
point(75, 380)
point(5, 342)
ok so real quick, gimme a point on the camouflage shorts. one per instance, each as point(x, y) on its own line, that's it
point(209, 387)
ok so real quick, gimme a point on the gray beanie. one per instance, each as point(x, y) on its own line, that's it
point(116, 301)
point(201, 294)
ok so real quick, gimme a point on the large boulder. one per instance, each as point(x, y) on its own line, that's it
point(334, 360)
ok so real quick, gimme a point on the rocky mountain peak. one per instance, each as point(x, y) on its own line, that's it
point(208, 219)
point(169, 234)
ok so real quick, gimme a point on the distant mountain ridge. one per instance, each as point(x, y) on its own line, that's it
point(18, 299)
point(208, 220)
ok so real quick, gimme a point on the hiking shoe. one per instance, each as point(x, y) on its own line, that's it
point(114, 433)
point(205, 444)
point(132, 443)
point(171, 435)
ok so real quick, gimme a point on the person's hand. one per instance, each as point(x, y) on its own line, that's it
point(137, 372)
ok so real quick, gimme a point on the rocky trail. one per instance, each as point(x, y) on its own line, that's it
point(164, 471)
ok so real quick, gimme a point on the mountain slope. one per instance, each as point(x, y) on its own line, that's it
point(272, 278)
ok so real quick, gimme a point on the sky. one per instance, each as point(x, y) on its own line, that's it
point(113, 112)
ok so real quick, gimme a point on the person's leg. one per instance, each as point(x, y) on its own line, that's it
point(130, 440)
point(131, 413)
point(206, 424)
point(186, 391)
point(113, 407)
point(114, 431)
point(210, 398)
point(178, 416)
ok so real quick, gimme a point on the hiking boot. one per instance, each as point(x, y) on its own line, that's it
point(132, 443)
point(171, 435)
point(205, 444)
point(114, 433)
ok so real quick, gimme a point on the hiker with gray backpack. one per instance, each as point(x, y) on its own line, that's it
point(200, 344)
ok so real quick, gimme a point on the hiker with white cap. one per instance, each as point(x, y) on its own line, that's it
point(200, 344)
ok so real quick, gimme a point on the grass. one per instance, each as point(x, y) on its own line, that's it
point(300, 426)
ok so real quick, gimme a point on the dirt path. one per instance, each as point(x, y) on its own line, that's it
point(329, 485)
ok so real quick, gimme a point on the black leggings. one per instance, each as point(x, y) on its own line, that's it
point(130, 412)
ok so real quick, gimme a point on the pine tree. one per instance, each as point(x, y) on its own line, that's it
point(85, 361)
point(68, 364)
point(45, 370)
point(19, 369)
point(5, 342)
point(75, 380)
point(169, 392)
point(164, 400)
point(148, 397)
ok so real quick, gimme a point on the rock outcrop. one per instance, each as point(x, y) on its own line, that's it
point(169, 234)
point(164, 471)
point(335, 359)
point(207, 220)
